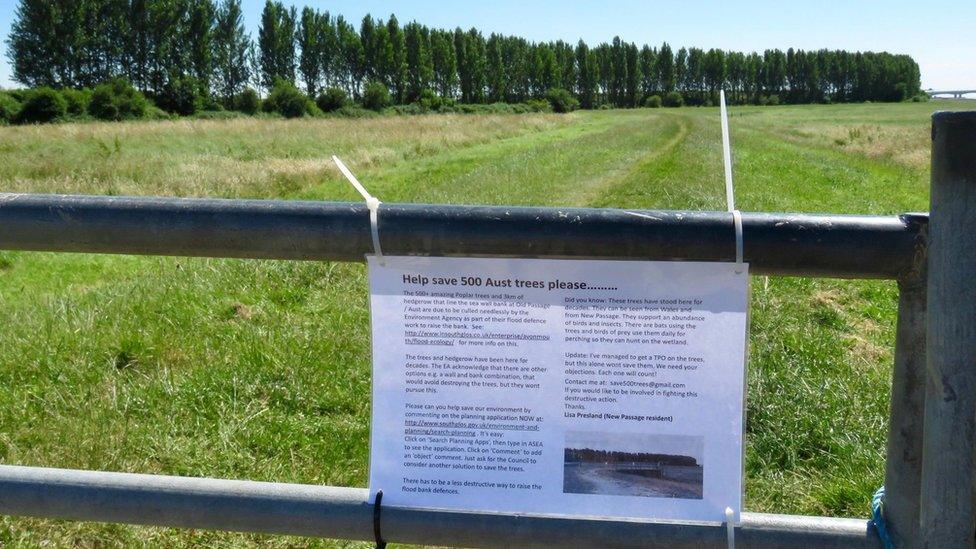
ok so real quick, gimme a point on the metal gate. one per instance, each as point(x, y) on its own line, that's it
point(932, 434)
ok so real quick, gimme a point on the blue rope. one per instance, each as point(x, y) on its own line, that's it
point(877, 518)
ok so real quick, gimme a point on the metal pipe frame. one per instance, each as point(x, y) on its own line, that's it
point(786, 244)
point(843, 246)
point(931, 462)
point(330, 512)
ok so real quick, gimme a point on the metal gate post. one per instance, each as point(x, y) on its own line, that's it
point(903, 470)
point(949, 455)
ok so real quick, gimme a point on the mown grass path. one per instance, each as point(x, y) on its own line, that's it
point(260, 369)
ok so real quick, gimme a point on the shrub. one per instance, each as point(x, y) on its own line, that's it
point(19, 94)
point(311, 108)
point(210, 103)
point(155, 113)
point(538, 105)
point(331, 100)
point(218, 115)
point(42, 105)
point(429, 101)
point(561, 100)
point(412, 108)
point(9, 108)
point(181, 95)
point(355, 111)
point(77, 100)
point(116, 99)
point(772, 100)
point(673, 99)
point(501, 108)
point(286, 100)
point(248, 102)
point(376, 96)
point(653, 102)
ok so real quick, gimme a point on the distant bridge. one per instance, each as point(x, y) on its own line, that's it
point(956, 94)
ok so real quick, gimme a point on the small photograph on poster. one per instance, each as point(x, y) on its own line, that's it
point(628, 464)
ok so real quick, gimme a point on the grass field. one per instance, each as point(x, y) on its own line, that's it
point(261, 370)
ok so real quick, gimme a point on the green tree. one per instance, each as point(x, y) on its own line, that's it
point(713, 72)
point(232, 49)
point(633, 93)
point(586, 79)
point(164, 53)
point(774, 72)
point(310, 58)
point(618, 84)
point(515, 56)
point(397, 73)
point(197, 37)
point(350, 56)
point(680, 70)
point(158, 44)
point(649, 75)
point(444, 62)
point(604, 71)
point(472, 66)
point(328, 50)
point(544, 73)
point(384, 54)
point(420, 67)
point(34, 47)
point(666, 68)
point(367, 37)
point(754, 77)
point(695, 76)
point(276, 41)
point(566, 63)
point(464, 74)
point(735, 66)
point(138, 50)
point(496, 76)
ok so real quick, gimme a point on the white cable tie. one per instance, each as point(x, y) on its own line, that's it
point(729, 188)
point(726, 153)
point(372, 203)
point(730, 527)
point(737, 224)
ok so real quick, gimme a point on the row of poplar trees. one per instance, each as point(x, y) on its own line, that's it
point(79, 43)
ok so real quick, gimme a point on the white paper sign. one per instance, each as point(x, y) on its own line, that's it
point(558, 387)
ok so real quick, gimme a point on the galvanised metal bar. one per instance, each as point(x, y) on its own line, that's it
point(331, 512)
point(844, 246)
point(948, 516)
point(903, 467)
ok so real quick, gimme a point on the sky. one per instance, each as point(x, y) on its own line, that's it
point(939, 35)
